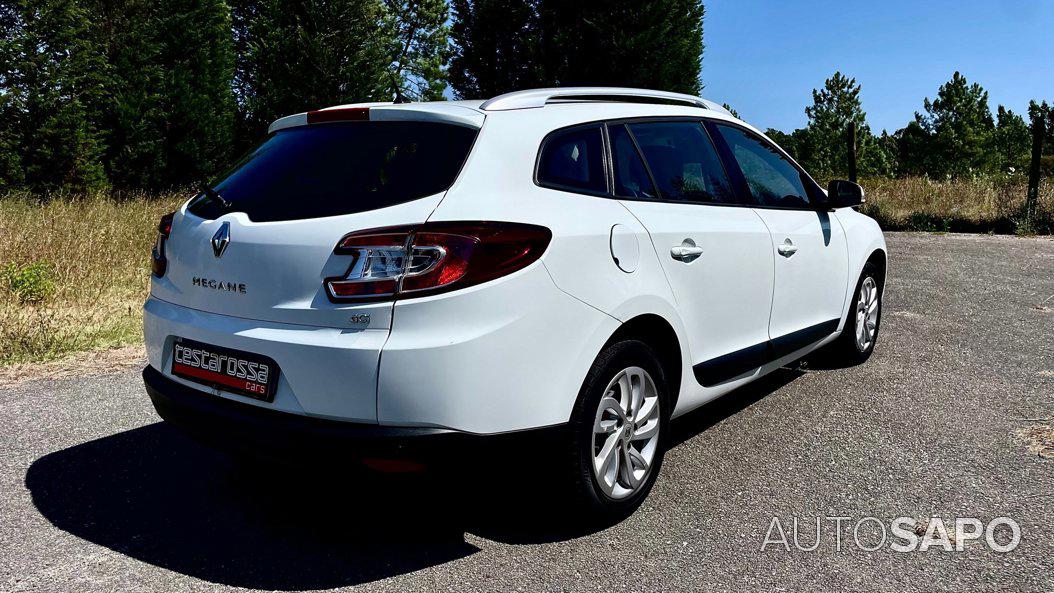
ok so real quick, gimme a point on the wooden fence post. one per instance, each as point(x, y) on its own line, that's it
point(1032, 200)
point(851, 147)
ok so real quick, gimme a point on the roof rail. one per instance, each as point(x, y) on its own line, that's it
point(540, 97)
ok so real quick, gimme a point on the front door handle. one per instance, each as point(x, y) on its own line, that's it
point(687, 251)
point(787, 248)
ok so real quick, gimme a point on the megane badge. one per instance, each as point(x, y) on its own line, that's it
point(221, 239)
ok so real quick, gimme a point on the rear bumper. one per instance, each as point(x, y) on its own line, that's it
point(325, 372)
point(238, 427)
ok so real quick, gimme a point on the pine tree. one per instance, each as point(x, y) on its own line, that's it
point(134, 121)
point(173, 113)
point(497, 47)
point(502, 45)
point(914, 156)
point(12, 98)
point(785, 141)
point(955, 130)
point(657, 44)
point(198, 57)
point(834, 108)
point(307, 54)
point(419, 48)
point(821, 147)
point(883, 158)
point(54, 87)
point(1011, 141)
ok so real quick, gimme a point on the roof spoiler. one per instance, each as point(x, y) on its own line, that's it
point(434, 112)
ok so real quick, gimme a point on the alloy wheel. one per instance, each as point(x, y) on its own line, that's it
point(867, 303)
point(626, 433)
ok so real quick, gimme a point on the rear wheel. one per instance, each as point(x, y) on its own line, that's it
point(619, 430)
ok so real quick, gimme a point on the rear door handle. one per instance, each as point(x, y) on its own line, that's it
point(787, 248)
point(687, 251)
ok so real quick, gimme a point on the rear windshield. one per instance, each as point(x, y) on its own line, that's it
point(339, 168)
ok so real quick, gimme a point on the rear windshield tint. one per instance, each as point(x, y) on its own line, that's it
point(340, 168)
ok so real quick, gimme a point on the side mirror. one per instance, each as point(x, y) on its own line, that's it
point(844, 194)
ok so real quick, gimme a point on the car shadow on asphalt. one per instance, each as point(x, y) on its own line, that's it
point(156, 496)
point(698, 420)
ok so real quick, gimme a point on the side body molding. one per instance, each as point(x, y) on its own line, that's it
point(729, 366)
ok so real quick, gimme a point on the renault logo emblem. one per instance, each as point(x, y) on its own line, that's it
point(221, 239)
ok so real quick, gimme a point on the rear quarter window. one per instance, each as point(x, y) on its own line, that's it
point(573, 159)
point(334, 169)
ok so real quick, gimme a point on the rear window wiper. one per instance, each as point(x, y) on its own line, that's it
point(214, 196)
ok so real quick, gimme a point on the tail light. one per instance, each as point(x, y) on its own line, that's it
point(411, 261)
point(158, 261)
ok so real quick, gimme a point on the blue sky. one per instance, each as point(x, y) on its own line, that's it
point(764, 57)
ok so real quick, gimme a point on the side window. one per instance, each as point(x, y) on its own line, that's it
point(773, 180)
point(573, 159)
point(683, 161)
point(631, 178)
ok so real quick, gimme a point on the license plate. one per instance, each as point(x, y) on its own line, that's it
point(239, 372)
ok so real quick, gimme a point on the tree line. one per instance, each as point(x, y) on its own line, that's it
point(155, 94)
point(955, 135)
point(161, 93)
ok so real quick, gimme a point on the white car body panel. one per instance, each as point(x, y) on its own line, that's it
point(497, 371)
point(724, 296)
point(809, 285)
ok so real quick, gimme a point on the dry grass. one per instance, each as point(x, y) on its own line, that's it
point(978, 206)
point(94, 253)
point(96, 363)
point(82, 262)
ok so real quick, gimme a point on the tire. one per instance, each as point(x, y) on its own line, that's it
point(604, 412)
point(853, 346)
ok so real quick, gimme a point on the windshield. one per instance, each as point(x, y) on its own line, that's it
point(339, 168)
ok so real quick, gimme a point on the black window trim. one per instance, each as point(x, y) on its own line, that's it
point(640, 154)
point(733, 173)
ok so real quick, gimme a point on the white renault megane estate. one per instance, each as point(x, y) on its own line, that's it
point(381, 279)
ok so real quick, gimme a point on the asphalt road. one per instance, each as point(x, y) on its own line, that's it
point(98, 496)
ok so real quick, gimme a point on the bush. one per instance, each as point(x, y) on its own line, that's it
point(31, 283)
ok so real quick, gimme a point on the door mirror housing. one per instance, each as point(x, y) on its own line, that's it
point(843, 194)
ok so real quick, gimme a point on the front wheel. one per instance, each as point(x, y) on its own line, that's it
point(860, 333)
point(619, 430)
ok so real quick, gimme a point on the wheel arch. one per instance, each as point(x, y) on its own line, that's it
point(865, 243)
point(655, 331)
point(878, 257)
